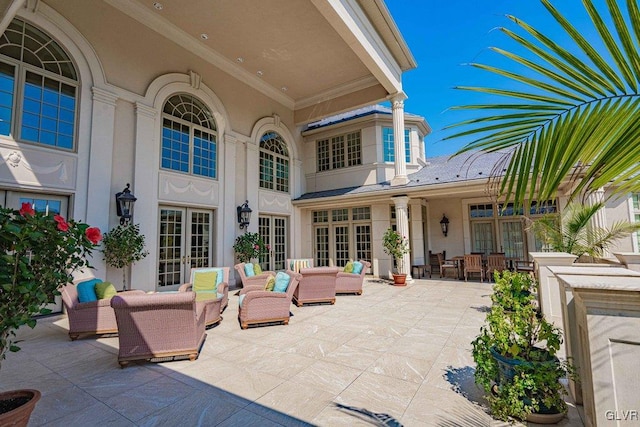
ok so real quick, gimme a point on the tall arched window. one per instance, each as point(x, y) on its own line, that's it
point(46, 103)
point(274, 163)
point(189, 137)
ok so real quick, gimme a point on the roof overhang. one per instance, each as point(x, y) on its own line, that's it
point(317, 57)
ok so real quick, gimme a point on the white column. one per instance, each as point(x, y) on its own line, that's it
point(227, 222)
point(402, 227)
point(253, 186)
point(100, 165)
point(144, 274)
point(400, 177)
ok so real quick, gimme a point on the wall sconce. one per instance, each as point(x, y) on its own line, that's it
point(124, 205)
point(444, 224)
point(244, 215)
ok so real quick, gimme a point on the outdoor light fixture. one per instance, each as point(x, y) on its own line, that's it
point(244, 215)
point(444, 224)
point(124, 205)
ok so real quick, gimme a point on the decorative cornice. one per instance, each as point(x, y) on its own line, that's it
point(104, 96)
point(145, 110)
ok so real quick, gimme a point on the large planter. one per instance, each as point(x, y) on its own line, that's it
point(400, 279)
point(507, 370)
point(20, 404)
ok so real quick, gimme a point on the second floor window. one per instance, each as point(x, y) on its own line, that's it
point(339, 151)
point(274, 163)
point(189, 137)
point(38, 84)
point(388, 145)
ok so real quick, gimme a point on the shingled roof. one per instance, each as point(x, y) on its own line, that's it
point(438, 170)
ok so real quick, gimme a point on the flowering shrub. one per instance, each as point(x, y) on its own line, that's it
point(395, 245)
point(38, 253)
point(249, 245)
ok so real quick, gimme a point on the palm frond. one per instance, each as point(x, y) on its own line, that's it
point(577, 120)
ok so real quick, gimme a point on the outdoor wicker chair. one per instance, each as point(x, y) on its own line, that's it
point(160, 325)
point(259, 306)
point(222, 288)
point(317, 284)
point(351, 283)
point(91, 318)
point(258, 279)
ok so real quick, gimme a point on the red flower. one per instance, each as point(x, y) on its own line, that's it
point(27, 210)
point(62, 224)
point(93, 234)
point(256, 247)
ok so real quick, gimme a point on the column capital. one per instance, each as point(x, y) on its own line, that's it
point(145, 110)
point(400, 201)
point(104, 96)
point(398, 98)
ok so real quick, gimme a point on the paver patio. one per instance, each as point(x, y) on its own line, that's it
point(400, 351)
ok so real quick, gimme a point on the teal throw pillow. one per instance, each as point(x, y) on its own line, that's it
point(357, 267)
point(248, 270)
point(105, 290)
point(86, 290)
point(282, 282)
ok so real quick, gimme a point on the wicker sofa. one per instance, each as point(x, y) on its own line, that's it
point(90, 318)
point(159, 325)
point(317, 284)
point(350, 283)
point(260, 306)
point(258, 279)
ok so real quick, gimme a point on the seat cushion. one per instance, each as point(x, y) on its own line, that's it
point(105, 290)
point(357, 267)
point(241, 299)
point(86, 290)
point(206, 281)
point(249, 270)
point(282, 282)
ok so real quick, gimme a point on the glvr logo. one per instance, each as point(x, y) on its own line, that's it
point(622, 415)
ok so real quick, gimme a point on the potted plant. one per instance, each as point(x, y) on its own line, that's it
point(515, 355)
point(397, 246)
point(38, 254)
point(249, 246)
point(123, 246)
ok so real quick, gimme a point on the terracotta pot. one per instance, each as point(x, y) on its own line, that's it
point(19, 417)
point(400, 279)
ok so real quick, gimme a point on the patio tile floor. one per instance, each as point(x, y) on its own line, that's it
point(399, 351)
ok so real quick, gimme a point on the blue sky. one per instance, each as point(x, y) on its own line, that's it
point(443, 35)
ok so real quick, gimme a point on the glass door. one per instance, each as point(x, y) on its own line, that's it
point(273, 230)
point(48, 204)
point(185, 238)
point(513, 243)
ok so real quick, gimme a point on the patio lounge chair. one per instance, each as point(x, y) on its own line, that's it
point(93, 317)
point(159, 325)
point(473, 264)
point(318, 284)
point(258, 279)
point(222, 288)
point(351, 283)
point(260, 306)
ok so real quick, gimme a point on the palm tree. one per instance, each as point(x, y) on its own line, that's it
point(574, 232)
point(578, 117)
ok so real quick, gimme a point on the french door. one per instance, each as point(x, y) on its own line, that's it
point(185, 237)
point(273, 230)
point(513, 239)
point(48, 204)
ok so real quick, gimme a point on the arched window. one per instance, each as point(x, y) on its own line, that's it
point(189, 137)
point(274, 163)
point(46, 103)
